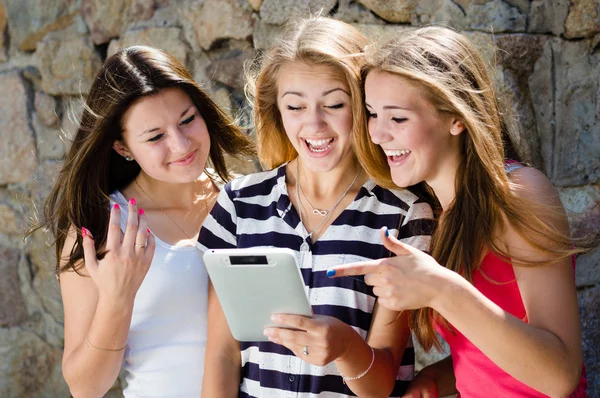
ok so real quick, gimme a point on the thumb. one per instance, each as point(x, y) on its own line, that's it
point(394, 245)
point(89, 252)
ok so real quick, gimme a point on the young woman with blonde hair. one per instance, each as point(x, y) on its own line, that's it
point(125, 211)
point(504, 295)
point(317, 201)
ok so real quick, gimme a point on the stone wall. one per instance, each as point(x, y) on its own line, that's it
point(546, 55)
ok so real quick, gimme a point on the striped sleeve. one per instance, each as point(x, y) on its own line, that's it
point(417, 226)
point(219, 229)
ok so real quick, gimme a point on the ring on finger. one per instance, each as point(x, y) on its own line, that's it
point(305, 350)
point(142, 246)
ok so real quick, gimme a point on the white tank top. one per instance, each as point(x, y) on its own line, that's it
point(167, 338)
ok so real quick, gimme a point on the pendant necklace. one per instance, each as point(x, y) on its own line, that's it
point(304, 246)
point(167, 214)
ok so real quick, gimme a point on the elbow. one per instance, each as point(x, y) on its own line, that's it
point(79, 389)
point(566, 384)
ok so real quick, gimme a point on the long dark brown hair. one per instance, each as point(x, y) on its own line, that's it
point(93, 170)
point(454, 78)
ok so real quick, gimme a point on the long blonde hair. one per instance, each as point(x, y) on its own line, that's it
point(315, 40)
point(454, 79)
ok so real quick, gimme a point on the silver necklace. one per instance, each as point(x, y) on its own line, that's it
point(304, 246)
point(167, 214)
point(315, 211)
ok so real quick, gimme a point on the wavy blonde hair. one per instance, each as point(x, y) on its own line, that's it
point(315, 40)
point(454, 78)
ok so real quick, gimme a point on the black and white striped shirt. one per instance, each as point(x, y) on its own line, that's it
point(255, 210)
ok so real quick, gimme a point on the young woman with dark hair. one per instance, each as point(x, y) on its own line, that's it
point(125, 211)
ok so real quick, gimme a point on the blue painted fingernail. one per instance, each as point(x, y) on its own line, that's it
point(330, 273)
point(387, 232)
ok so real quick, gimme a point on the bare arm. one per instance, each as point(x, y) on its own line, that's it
point(98, 306)
point(388, 335)
point(550, 342)
point(222, 361)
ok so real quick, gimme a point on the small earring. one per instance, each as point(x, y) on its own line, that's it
point(127, 158)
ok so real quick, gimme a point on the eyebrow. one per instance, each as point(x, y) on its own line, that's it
point(156, 128)
point(327, 92)
point(386, 107)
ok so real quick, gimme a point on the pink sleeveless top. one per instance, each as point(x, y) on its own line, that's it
point(476, 375)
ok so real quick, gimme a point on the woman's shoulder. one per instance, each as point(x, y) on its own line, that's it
point(532, 184)
point(259, 183)
point(405, 198)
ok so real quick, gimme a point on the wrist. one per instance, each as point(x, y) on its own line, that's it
point(117, 305)
point(350, 339)
point(444, 288)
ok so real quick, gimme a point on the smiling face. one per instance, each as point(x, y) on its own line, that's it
point(420, 143)
point(167, 136)
point(316, 110)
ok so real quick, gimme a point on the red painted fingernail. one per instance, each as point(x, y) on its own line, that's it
point(116, 206)
point(132, 201)
point(141, 211)
point(148, 230)
point(86, 232)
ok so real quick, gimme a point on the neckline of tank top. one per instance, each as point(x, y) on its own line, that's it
point(123, 203)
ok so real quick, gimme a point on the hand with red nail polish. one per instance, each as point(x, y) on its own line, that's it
point(120, 273)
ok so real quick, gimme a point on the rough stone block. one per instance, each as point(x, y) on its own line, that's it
point(106, 19)
point(211, 20)
point(255, 4)
point(228, 68)
point(13, 311)
point(548, 16)
point(516, 56)
point(278, 12)
point(515, 99)
point(352, 11)
point(445, 12)
point(583, 207)
point(30, 20)
point(11, 220)
point(583, 19)
point(397, 11)
point(167, 39)
point(495, 16)
point(565, 82)
point(32, 366)
point(17, 143)
point(588, 269)
point(73, 109)
point(47, 109)
point(68, 64)
point(265, 34)
point(50, 140)
point(589, 311)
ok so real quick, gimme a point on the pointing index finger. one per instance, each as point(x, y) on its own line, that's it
point(353, 269)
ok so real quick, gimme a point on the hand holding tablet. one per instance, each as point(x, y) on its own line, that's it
point(253, 285)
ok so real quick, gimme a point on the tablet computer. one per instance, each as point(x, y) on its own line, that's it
point(253, 284)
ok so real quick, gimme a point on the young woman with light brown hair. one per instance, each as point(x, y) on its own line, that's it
point(504, 295)
point(125, 211)
point(317, 201)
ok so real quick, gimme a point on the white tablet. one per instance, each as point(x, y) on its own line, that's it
point(253, 284)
